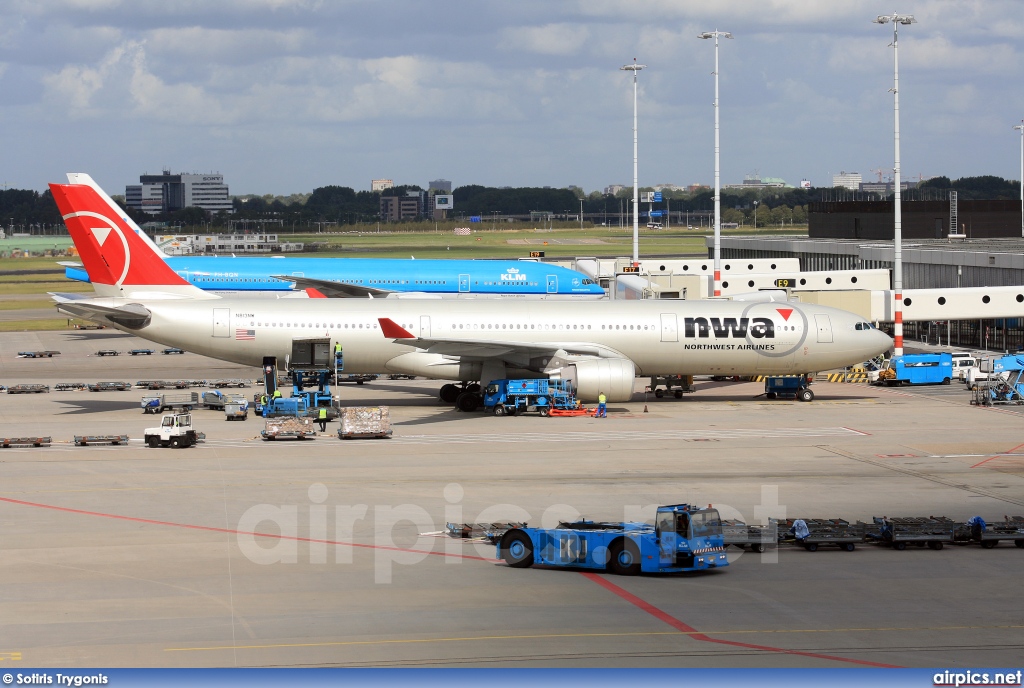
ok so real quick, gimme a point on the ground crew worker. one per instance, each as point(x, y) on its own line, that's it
point(322, 419)
point(602, 408)
point(339, 360)
point(277, 394)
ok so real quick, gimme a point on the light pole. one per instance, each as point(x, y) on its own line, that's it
point(755, 215)
point(636, 189)
point(718, 195)
point(906, 20)
point(1021, 128)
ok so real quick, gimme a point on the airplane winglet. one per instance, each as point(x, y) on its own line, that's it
point(314, 293)
point(392, 330)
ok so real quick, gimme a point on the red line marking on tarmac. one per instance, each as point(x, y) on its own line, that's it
point(859, 432)
point(696, 635)
point(998, 455)
point(233, 531)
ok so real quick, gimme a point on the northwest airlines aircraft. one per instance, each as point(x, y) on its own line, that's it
point(363, 277)
point(601, 345)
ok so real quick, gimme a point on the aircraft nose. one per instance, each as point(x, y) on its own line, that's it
point(882, 341)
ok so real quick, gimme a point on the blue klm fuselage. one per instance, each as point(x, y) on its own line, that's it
point(440, 277)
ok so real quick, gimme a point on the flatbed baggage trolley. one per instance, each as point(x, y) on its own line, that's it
point(988, 535)
point(934, 531)
point(750, 536)
point(822, 531)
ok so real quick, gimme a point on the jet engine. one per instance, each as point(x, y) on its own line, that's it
point(613, 376)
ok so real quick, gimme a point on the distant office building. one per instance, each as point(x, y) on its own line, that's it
point(398, 208)
point(380, 184)
point(757, 182)
point(161, 193)
point(441, 186)
point(847, 180)
point(613, 189)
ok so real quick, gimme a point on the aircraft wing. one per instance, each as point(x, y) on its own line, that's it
point(481, 349)
point(82, 306)
point(335, 290)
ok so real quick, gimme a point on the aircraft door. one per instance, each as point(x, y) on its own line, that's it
point(669, 328)
point(221, 322)
point(552, 284)
point(824, 328)
point(424, 325)
point(463, 283)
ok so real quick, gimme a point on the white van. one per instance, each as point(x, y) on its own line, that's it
point(962, 362)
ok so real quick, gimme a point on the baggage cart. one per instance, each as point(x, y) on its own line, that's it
point(365, 422)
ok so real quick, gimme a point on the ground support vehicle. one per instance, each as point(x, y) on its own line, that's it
point(683, 538)
point(509, 397)
point(236, 410)
point(917, 369)
point(934, 531)
point(158, 403)
point(172, 350)
point(755, 537)
point(364, 422)
point(28, 389)
point(217, 400)
point(988, 535)
point(676, 385)
point(38, 354)
point(822, 531)
point(288, 428)
point(69, 386)
point(153, 384)
point(86, 440)
point(107, 352)
point(314, 386)
point(110, 386)
point(8, 442)
point(789, 387)
point(175, 430)
point(141, 352)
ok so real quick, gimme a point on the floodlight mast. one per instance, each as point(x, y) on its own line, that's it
point(896, 20)
point(716, 286)
point(636, 189)
point(1020, 127)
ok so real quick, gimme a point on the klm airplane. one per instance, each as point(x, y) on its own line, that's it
point(361, 277)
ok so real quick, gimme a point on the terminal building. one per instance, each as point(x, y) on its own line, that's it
point(927, 264)
point(166, 192)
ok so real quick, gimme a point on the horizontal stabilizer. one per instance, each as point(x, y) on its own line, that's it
point(132, 315)
point(334, 290)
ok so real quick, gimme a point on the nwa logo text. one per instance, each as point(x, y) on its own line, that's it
point(739, 328)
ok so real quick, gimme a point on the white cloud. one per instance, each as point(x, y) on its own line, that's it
point(550, 39)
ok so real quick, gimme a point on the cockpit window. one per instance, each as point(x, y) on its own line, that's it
point(863, 326)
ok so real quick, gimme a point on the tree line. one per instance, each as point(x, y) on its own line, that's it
point(341, 205)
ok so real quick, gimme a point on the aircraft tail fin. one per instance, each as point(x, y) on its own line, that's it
point(118, 260)
point(85, 180)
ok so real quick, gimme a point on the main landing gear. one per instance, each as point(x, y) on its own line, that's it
point(466, 397)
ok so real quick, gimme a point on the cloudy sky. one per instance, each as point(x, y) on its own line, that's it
point(282, 96)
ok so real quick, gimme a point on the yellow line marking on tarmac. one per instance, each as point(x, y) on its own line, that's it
point(402, 641)
point(10, 656)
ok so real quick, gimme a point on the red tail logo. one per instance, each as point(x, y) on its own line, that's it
point(111, 252)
